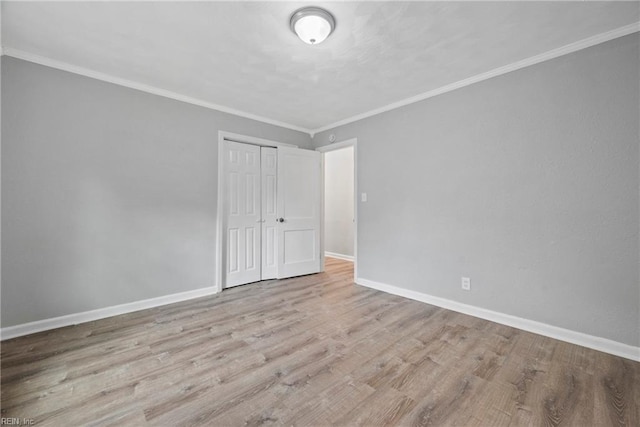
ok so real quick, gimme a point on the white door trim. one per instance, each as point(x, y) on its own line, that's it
point(246, 139)
point(353, 142)
point(338, 145)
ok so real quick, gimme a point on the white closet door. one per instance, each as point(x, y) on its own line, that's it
point(298, 195)
point(269, 212)
point(242, 205)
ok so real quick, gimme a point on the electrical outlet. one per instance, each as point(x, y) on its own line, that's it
point(363, 197)
point(466, 283)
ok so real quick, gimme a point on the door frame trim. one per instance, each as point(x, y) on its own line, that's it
point(353, 142)
point(220, 241)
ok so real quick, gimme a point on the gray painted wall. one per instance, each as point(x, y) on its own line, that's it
point(338, 201)
point(108, 193)
point(528, 183)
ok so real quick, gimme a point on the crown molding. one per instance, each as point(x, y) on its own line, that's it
point(533, 60)
point(48, 62)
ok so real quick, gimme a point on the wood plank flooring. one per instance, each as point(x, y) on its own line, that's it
point(311, 351)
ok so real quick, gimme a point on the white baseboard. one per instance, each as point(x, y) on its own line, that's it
point(573, 337)
point(101, 313)
point(339, 256)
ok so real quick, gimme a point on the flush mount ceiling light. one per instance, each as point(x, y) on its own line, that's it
point(312, 24)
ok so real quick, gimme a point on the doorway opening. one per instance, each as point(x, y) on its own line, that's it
point(340, 201)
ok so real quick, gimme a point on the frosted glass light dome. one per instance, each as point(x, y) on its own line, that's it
point(312, 24)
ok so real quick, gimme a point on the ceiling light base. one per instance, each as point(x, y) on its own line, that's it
point(312, 24)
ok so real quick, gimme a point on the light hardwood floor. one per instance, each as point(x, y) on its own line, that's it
point(311, 351)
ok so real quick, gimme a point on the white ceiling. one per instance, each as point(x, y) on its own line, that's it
point(243, 56)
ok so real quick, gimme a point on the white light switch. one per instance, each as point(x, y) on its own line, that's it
point(363, 197)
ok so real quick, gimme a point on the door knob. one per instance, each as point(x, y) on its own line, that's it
point(280, 219)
